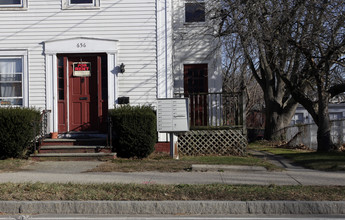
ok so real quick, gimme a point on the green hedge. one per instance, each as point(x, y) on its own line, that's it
point(134, 129)
point(18, 129)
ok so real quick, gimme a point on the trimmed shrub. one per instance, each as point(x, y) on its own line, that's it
point(18, 129)
point(134, 129)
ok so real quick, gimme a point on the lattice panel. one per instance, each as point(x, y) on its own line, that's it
point(212, 142)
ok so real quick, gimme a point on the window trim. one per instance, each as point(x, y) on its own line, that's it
point(15, 7)
point(23, 54)
point(66, 5)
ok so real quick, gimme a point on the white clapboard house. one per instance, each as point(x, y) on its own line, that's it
point(75, 59)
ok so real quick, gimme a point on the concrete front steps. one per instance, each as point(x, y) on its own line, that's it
point(74, 148)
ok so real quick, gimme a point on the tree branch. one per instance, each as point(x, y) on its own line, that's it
point(337, 89)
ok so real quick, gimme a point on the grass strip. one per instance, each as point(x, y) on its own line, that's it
point(325, 161)
point(12, 164)
point(155, 192)
point(163, 163)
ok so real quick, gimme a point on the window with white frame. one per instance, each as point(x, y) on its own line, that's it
point(12, 80)
point(298, 118)
point(195, 11)
point(335, 115)
point(80, 4)
point(13, 4)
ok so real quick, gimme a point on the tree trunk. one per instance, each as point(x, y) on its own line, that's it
point(324, 138)
point(277, 117)
point(273, 124)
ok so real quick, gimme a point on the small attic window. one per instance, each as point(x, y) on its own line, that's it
point(13, 4)
point(80, 4)
point(195, 12)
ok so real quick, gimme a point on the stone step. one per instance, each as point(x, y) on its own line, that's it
point(74, 149)
point(73, 141)
point(73, 156)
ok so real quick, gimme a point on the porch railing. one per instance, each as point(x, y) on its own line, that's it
point(215, 110)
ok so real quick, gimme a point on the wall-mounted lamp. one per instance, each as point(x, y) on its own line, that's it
point(122, 68)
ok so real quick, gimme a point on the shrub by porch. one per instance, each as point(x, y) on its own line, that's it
point(134, 130)
point(19, 127)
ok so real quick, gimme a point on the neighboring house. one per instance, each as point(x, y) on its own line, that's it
point(303, 130)
point(78, 58)
point(196, 60)
point(302, 116)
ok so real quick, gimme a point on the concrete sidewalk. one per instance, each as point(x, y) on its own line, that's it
point(76, 172)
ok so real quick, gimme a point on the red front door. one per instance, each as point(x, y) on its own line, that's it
point(82, 93)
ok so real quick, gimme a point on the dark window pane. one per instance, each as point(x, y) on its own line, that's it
point(61, 95)
point(60, 61)
point(61, 84)
point(81, 1)
point(61, 73)
point(104, 78)
point(10, 2)
point(195, 12)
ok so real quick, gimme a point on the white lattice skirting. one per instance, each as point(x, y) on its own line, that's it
point(212, 142)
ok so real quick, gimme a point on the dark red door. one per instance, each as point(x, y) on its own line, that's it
point(83, 93)
point(196, 88)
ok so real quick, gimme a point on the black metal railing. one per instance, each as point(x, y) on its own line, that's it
point(40, 129)
point(110, 132)
point(215, 109)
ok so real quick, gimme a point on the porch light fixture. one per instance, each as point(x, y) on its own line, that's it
point(122, 68)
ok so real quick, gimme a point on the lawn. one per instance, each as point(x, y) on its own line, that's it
point(9, 165)
point(326, 161)
point(155, 192)
point(163, 163)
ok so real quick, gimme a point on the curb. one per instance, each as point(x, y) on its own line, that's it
point(174, 207)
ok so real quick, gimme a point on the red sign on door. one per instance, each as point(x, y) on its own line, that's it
point(82, 69)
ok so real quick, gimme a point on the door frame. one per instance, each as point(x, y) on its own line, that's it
point(64, 94)
point(78, 45)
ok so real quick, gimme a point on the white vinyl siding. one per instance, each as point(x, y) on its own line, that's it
point(131, 22)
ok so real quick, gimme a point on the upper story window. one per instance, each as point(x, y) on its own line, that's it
point(81, 1)
point(80, 4)
point(13, 4)
point(195, 12)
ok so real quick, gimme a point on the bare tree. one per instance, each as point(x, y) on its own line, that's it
point(295, 51)
point(318, 36)
point(236, 75)
point(258, 40)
